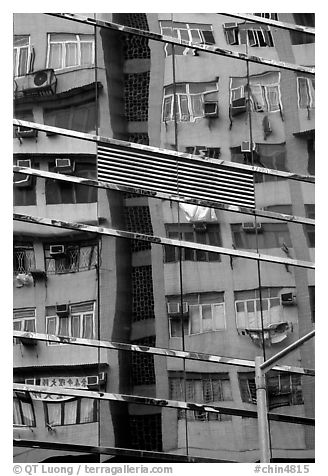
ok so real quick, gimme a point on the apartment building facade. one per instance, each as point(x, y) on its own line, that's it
point(172, 114)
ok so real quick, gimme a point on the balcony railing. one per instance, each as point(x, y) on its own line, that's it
point(24, 261)
point(76, 259)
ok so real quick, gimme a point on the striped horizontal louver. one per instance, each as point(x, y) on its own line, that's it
point(78, 308)
point(24, 313)
point(157, 171)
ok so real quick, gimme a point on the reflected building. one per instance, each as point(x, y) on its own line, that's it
point(96, 80)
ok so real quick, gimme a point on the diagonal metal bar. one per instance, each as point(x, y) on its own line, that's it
point(187, 44)
point(267, 364)
point(159, 402)
point(158, 150)
point(155, 351)
point(164, 196)
point(160, 240)
point(267, 21)
point(109, 450)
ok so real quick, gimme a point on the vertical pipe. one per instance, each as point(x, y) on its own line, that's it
point(262, 417)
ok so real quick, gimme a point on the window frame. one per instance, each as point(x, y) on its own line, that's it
point(81, 315)
point(17, 50)
point(310, 92)
point(246, 240)
point(21, 412)
point(176, 33)
point(187, 320)
point(257, 312)
point(76, 41)
point(23, 320)
point(191, 115)
point(78, 416)
point(189, 254)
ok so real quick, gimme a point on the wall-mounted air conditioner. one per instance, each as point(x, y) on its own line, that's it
point(287, 299)
point(24, 163)
point(64, 166)
point(40, 83)
point(22, 180)
point(25, 132)
point(246, 146)
point(211, 109)
point(252, 227)
point(174, 308)
point(57, 251)
point(62, 310)
point(200, 227)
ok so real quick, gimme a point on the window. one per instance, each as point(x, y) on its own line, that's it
point(23, 410)
point(312, 302)
point(23, 55)
point(203, 151)
point(248, 312)
point(67, 50)
point(190, 99)
point(242, 33)
point(194, 32)
point(305, 19)
point(59, 192)
point(71, 412)
point(270, 156)
point(24, 320)
point(311, 155)
point(80, 117)
point(205, 313)
point(272, 235)
point(26, 115)
point(80, 322)
point(76, 257)
point(25, 193)
point(264, 93)
point(283, 389)
point(310, 229)
point(24, 258)
point(305, 91)
point(200, 388)
point(270, 16)
point(210, 235)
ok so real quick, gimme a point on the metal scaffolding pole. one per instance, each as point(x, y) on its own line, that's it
point(261, 367)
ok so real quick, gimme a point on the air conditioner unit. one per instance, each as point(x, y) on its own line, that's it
point(287, 299)
point(25, 132)
point(40, 83)
point(246, 146)
point(64, 166)
point(173, 308)
point(252, 227)
point(211, 109)
point(62, 310)
point(238, 106)
point(57, 250)
point(93, 380)
point(200, 227)
point(24, 163)
point(22, 180)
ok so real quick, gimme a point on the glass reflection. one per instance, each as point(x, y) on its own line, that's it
point(92, 286)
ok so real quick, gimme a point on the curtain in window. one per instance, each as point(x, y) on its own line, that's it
point(87, 326)
point(55, 56)
point(76, 326)
point(206, 310)
point(27, 412)
point(54, 413)
point(87, 410)
point(70, 414)
point(219, 316)
point(23, 61)
point(17, 417)
point(194, 319)
point(86, 53)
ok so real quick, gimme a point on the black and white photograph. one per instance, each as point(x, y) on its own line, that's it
point(163, 240)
